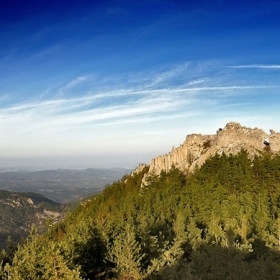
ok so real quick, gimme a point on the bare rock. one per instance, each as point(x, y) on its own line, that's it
point(229, 140)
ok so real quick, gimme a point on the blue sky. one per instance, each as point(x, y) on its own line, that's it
point(115, 83)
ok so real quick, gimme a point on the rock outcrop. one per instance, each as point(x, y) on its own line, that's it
point(139, 169)
point(229, 140)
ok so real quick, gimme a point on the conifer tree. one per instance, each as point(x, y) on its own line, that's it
point(126, 255)
point(40, 260)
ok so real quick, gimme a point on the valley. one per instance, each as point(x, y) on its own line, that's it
point(61, 185)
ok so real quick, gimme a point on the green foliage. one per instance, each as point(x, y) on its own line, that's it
point(222, 222)
point(37, 259)
point(126, 255)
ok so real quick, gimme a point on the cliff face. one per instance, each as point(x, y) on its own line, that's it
point(230, 140)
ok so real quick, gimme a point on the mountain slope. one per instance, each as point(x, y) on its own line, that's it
point(18, 211)
point(220, 222)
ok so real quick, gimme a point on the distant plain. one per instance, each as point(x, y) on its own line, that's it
point(61, 185)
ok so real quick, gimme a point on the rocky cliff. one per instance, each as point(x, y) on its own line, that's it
point(230, 140)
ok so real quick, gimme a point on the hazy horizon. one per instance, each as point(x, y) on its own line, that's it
point(71, 162)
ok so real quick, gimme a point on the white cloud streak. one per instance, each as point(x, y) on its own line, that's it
point(53, 117)
point(259, 66)
point(87, 120)
point(148, 97)
point(75, 82)
point(72, 84)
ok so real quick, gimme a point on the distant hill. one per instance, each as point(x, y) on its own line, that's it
point(18, 211)
point(61, 185)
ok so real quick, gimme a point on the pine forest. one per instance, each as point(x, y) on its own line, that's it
point(222, 221)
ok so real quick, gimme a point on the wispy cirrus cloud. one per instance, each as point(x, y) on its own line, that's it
point(68, 113)
point(72, 84)
point(259, 66)
point(196, 82)
point(76, 82)
point(85, 119)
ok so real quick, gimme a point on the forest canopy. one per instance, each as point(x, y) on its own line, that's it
point(220, 222)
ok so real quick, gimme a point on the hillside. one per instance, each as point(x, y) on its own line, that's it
point(219, 221)
point(18, 211)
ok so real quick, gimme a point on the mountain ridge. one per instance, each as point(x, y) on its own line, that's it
point(197, 148)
